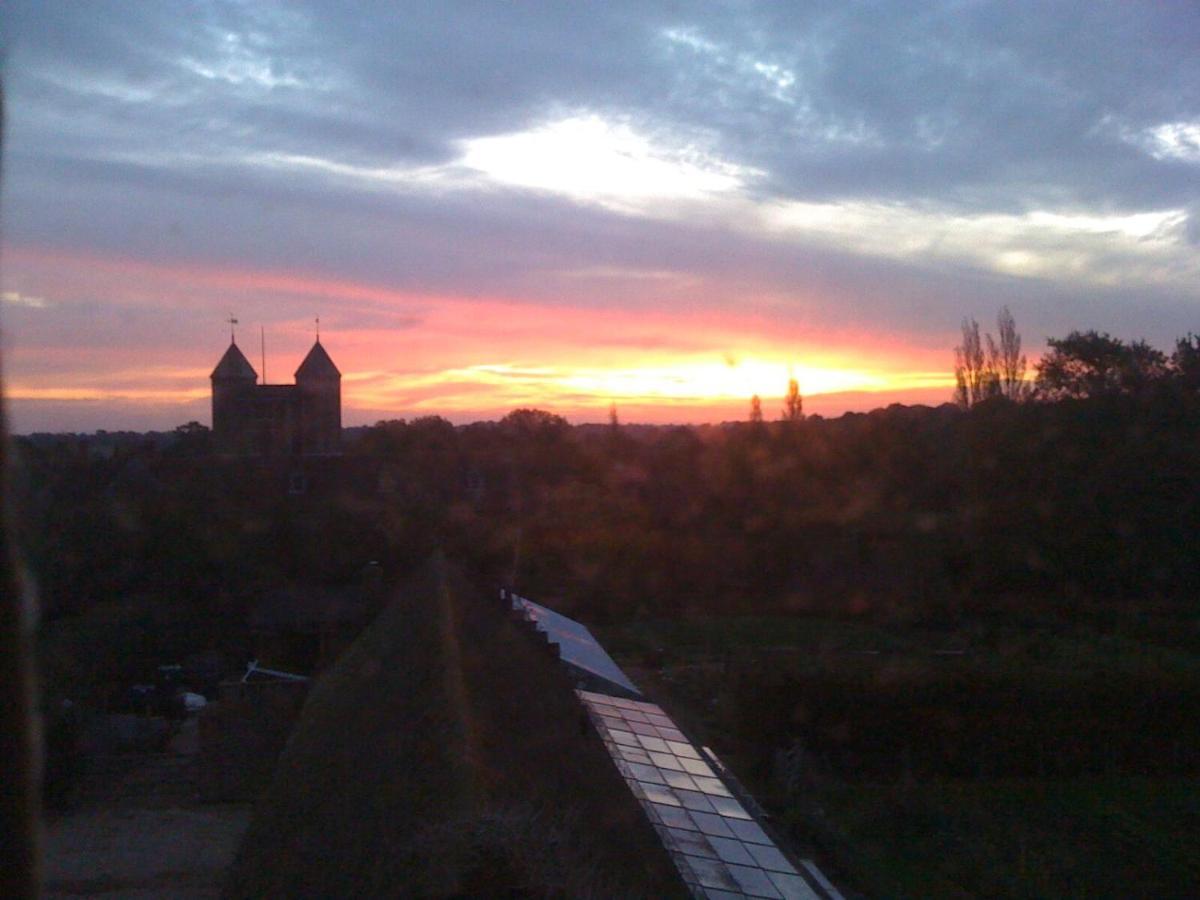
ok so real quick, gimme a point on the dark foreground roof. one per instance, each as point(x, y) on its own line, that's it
point(446, 754)
point(306, 607)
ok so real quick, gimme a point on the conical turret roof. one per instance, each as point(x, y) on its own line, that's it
point(317, 364)
point(234, 366)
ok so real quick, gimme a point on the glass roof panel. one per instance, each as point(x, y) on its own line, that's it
point(674, 816)
point(660, 793)
point(711, 873)
point(711, 823)
point(694, 800)
point(750, 832)
point(720, 850)
point(678, 779)
point(682, 748)
point(692, 842)
point(646, 774)
point(697, 767)
point(708, 785)
point(731, 851)
point(667, 762)
point(792, 887)
point(754, 881)
point(620, 702)
point(578, 646)
point(632, 754)
point(653, 743)
point(768, 857)
point(624, 737)
point(729, 807)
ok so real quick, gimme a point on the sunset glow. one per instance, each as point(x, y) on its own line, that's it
point(697, 385)
point(465, 357)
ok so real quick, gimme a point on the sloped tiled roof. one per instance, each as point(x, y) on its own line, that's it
point(234, 365)
point(318, 364)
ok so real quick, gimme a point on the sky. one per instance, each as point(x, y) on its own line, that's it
point(667, 207)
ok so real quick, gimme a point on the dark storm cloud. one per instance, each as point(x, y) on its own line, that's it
point(971, 103)
point(952, 101)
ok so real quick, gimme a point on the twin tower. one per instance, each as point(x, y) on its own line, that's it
point(277, 420)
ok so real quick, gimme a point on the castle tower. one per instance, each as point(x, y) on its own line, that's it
point(233, 384)
point(319, 385)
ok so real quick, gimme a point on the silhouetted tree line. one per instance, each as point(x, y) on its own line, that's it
point(927, 512)
point(1093, 495)
point(1093, 364)
point(1087, 501)
point(1083, 364)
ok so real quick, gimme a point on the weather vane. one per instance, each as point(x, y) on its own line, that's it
point(232, 321)
point(318, 329)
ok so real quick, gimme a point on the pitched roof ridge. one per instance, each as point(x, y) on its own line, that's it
point(318, 364)
point(234, 365)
